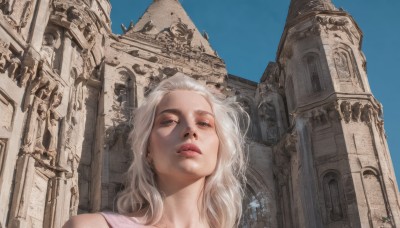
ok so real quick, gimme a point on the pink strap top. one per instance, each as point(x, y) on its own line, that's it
point(115, 220)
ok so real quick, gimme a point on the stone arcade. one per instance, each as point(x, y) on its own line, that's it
point(68, 86)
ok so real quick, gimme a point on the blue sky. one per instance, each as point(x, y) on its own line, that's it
point(246, 35)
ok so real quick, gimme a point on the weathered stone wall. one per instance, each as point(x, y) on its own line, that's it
point(340, 174)
point(68, 87)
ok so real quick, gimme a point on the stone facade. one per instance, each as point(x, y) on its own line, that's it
point(68, 86)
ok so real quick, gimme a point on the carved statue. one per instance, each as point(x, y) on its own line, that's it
point(88, 32)
point(345, 108)
point(40, 128)
point(367, 113)
point(45, 91)
point(356, 111)
point(342, 67)
point(56, 99)
point(4, 56)
point(49, 41)
point(15, 64)
point(140, 69)
point(27, 74)
point(73, 14)
point(121, 95)
point(52, 128)
point(39, 82)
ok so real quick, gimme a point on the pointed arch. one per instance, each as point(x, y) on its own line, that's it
point(347, 72)
point(257, 202)
point(335, 207)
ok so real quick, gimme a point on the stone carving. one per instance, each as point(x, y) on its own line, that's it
point(333, 23)
point(170, 71)
point(147, 27)
point(177, 37)
point(367, 113)
point(125, 30)
point(78, 40)
point(29, 67)
point(319, 116)
point(139, 69)
point(18, 13)
point(40, 129)
point(342, 66)
point(52, 129)
point(346, 69)
point(313, 30)
point(345, 108)
point(356, 111)
point(4, 55)
point(48, 47)
point(26, 75)
point(7, 113)
point(14, 66)
point(360, 111)
point(74, 15)
point(112, 61)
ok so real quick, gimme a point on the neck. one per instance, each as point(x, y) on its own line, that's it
point(182, 203)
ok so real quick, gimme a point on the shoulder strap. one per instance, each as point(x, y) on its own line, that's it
point(115, 220)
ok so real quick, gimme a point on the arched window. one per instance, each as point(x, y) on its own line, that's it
point(374, 197)
point(314, 72)
point(257, 203)
point(332, 195)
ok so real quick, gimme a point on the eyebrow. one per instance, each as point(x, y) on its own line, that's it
point(178, 112)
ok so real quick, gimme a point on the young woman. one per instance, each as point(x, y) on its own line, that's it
point(189, 164)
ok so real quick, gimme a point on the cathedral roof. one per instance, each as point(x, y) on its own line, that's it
point(166, 19)
point(301, 7)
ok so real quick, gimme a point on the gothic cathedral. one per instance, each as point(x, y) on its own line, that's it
point(68, 86)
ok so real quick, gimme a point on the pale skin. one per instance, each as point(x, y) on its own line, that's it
point(183, 119)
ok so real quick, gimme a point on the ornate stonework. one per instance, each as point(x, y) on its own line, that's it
point(68, 87)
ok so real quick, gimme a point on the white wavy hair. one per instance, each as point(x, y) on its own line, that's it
point(224, 188)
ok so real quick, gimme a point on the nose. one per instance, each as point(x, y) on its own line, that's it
point(189, 133)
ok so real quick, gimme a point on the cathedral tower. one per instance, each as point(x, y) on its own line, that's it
point(162, 43)
point(339, 171)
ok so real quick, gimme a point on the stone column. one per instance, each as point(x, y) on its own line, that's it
point(66, 58)
point(38, 26)
point(23, 185)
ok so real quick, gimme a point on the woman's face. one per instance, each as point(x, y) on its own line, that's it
point(183, 142)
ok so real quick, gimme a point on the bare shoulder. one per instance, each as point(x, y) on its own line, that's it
point(86, 220)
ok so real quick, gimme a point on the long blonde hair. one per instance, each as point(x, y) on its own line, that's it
point(223, 190)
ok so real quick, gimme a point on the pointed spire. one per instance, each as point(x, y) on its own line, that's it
point(169, 15)
point(301, 7)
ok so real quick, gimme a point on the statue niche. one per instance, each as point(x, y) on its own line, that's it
point(124, 100)
point(342, 66)
point(50, 47)
point(346, 70)
point(18, 12)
